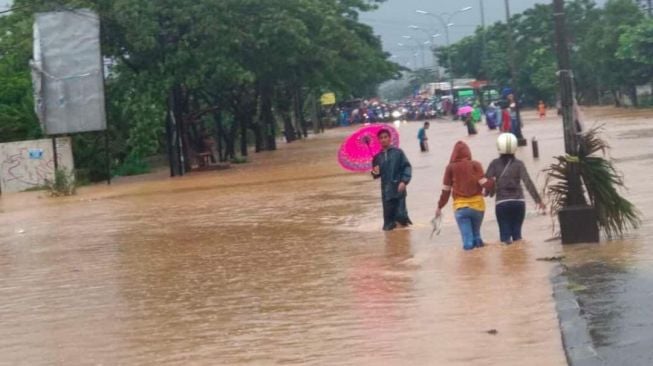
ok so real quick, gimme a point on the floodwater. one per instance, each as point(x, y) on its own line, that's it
point(278, 262)
point(614, 281)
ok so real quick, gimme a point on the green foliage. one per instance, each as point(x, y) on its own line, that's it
point(17, 118)
point(132, 166)
point(601, 182)
point(202, 59)
point(62, 185)
point(636, 43)
point(597, 36)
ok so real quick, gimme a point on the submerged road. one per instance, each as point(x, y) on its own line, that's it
point(281, 262)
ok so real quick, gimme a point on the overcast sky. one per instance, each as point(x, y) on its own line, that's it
point(394, 17)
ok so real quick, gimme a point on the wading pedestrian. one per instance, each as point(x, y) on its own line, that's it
point(395, 172)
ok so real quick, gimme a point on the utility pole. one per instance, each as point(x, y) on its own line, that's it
point(513, 72)
point(566, 80)
point(578, 221)
point(482, 6)
point(483, 50)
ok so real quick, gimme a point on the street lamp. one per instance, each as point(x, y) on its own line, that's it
point(415, 54)
point(426, 32)
point(420, 46)
point(445, 21)
point(430, 35)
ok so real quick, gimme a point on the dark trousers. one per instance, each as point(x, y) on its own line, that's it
point(471, 128)
point(510, 215)
point(395, 211)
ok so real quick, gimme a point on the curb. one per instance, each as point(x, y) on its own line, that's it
point(576, 338)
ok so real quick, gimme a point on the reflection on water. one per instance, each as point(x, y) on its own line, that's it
point(278, 262)
point(614, 281)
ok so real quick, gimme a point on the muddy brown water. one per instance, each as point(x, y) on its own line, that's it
point(278, 262)
point(614, 281)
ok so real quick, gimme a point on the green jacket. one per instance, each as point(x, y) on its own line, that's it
point(394, 168)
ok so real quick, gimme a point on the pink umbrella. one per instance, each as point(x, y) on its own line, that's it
point(465, 110)
point(358, 150)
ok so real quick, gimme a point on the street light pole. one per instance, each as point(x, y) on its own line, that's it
point(446, 24)
point(430, 36)
point(484, 50)
point(513, 71)
point(420, 46)
point(414, 54)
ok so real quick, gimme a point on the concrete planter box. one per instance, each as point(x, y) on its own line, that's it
point(579, 224)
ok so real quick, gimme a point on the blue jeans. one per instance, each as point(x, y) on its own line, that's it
point(469, 222)
point(510, 215)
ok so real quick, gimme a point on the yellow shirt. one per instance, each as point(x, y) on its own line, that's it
point(475, 203)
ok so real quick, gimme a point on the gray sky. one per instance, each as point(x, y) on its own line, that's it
point(394, 17)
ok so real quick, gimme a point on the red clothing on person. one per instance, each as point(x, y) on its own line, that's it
point(506, 121)
point(463, 176)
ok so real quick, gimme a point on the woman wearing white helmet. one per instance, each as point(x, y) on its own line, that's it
point(508, 173)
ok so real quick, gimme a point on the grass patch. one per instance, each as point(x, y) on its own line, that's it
point(239, 160)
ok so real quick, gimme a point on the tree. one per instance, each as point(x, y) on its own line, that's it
point(636, 43)
point(231, 68)
point(17, 118)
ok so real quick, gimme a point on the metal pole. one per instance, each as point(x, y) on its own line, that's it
point(423, 57)
point(484, 49)
point(107, 155)
point(446, 34)
point(55, 159)
point(513, 72)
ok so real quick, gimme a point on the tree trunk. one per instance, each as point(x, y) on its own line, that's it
point(219, 131)
point(179, 111)
point(288, 128)
point(231, 142)
point(244, 125)
point(632, 93)
point(267, 118)
point(315, 113)
point(617, 100)
point(286, 108)
point(299, 111)
point(171, 138)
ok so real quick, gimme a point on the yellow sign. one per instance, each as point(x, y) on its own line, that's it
point(328, 99)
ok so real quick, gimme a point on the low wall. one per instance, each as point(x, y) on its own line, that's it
point(27, 164)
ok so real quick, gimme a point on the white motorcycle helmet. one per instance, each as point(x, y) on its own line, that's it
point(507, 144)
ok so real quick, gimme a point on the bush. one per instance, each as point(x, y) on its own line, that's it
point(601, 183)
point(132, 166)
point(63, 184)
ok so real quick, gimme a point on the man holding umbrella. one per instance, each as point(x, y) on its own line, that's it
point(395, 171)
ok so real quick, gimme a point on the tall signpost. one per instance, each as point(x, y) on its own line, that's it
point(68, 74)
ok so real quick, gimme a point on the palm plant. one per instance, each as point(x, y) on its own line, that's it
point(601, 184)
